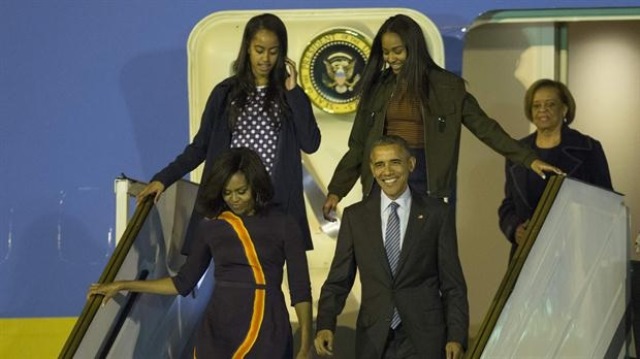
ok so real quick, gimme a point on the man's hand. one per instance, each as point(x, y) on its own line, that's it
point(156, 188)
point(324, 342)
point(330, 205)
point(454, 350)
point(540, 167)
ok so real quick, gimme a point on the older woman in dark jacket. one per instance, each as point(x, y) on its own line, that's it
point(551, 107)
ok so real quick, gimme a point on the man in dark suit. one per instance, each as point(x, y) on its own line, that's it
point(414, 297)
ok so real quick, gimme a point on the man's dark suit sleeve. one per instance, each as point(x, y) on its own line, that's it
point(342, 273)
point(452, 283)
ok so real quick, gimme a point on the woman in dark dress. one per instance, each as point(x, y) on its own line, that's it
point(549, 105)
point(249, 242)
point(260, 107)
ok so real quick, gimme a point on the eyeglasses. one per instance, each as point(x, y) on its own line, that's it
point(548, 105)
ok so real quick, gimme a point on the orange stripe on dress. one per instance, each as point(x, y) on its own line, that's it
point(258, 274)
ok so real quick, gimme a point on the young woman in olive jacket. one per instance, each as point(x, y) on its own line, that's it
point(404, 92)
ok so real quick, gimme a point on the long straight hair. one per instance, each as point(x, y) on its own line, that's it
point(413, 77)
point(245, 84)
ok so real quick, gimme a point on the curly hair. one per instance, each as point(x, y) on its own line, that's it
point(563, 93)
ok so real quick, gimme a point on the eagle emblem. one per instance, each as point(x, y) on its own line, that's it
point(330, 68)
point(339, 74)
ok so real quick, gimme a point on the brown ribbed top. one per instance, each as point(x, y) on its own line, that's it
point(404, 119)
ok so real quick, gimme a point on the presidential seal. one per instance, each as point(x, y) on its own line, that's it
point(331, 67)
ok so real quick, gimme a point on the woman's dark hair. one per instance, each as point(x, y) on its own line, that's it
point(246, 82)
point(235, 160)
point(413, 76)
point(563, 93)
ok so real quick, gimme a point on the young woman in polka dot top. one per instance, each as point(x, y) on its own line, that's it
point(260, 107)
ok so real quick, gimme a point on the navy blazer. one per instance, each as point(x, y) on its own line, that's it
point(428, 289)
point(299, 132)
point(582, 157)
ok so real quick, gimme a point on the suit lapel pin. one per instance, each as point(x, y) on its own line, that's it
point(420, 216)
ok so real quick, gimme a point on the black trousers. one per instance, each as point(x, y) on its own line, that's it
point(398, 345)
